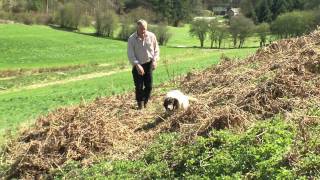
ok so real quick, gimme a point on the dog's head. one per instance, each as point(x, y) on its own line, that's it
point(171, 104)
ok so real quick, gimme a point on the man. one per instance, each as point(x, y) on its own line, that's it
point(143, 54)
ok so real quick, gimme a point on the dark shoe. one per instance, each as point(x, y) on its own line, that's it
point(145, 104)
point(140, 105)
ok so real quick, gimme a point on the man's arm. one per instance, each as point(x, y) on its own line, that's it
point(156, 53)
point(132, 58)
point(156, 49)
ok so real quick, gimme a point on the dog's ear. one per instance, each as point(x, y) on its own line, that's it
point(176, 104)
point(166, 103)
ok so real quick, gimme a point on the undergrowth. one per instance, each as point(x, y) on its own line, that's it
point(262, 152)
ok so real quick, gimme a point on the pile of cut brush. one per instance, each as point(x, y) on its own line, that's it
point(283, 78)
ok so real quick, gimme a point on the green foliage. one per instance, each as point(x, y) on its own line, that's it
point(264, 13)
point(222, 34)
point(263, 30)
point(162, 33)
point(267, 11)
point(106, 23)
point(141, 13)
point(212, 31)
point(69, 16)
point(86, 21)
point(293, 24)
point(127, 28)
point(199, 28)
point(176, 11)
point(259, 153)
point(240, 27)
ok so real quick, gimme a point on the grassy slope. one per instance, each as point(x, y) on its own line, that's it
point(20, 106)
point(40, 46)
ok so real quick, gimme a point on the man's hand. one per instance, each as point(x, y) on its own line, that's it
point(140, 69)
point(154, 65)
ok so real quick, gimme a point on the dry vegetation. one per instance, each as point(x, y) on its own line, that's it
point(281, 78)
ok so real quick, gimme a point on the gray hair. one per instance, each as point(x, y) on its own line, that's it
point(142, 22)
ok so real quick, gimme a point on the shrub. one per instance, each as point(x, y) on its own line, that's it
point(25, 18)
point(199, 28)
point(240, 27)
point(106, 23)
point(69, 16)
point(43, 19)
point(86, 20)
point(127, 28)
point(162, 33)
point(140, 12)
point(293, 24)
point(263, 30)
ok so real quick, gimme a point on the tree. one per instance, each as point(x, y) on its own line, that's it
point(162, 33)
point(240, 27)
point(127, 28)
point(135, 14)
point(312, 4)
point(293, 24)
point(222, 33)
point(279, 7)
point(106, 22)
point(175, 11)
point(199, 28)
point(264, 8)
point(70, 15)
point(212, 30)
point(248, 9)
point(262, 31)
point(264, 12)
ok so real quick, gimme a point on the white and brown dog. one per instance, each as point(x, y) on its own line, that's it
point(176, 100)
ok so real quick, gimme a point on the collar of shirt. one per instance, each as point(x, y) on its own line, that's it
point(145, 36)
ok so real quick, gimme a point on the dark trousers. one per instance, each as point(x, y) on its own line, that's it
point(143, 83)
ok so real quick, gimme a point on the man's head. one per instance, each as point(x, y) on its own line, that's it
point(142, 27)
point(171, 104)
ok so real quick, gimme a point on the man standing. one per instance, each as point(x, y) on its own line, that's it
point(143, 54)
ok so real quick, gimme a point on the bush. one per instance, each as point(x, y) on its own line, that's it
point(69, 16)
point(263, 30)
point(240, 27)
point(106, 23)
point(271, 149)
point(199, 28)
point(162, 33)
point(86, 21)
point(4, 15)
point(137, 13)
point(127, 28)
point(43, 19)
point(25, 18)
point(293, 24)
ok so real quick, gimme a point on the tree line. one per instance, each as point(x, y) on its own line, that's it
point(281, 18)
point(268, 10)
point(239, 28)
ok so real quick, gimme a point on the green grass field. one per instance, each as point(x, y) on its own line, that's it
point(42, 47)
point(34, 47)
